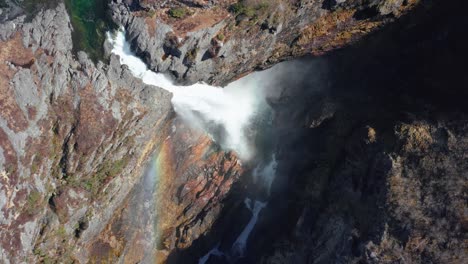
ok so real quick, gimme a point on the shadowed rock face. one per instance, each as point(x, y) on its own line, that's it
point(217, 42)
point(373, 161)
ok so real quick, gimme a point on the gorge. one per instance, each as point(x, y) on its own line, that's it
point(233, 131)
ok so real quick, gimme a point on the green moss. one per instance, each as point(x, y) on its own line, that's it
point(33, 202)
point(177, 12)
point(237, 8)
point(3, 4)
point(62, 232)
point(248, 9)
point(220, 36)
point(107, 170)
point(55, 146)
point(10, 169)
point(39, 252)
point(44, 258)
point(150, 13)
point(36, 163)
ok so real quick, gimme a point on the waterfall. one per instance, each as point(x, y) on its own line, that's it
point(223, 113)
point(215, 252)
point(265, 173)
point(239, 246)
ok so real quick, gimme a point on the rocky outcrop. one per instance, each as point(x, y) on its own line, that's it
point(179, 201)
point(74, 138)
point(216, 43)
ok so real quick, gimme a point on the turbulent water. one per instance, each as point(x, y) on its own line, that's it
point(227, 114)
point(224, 113)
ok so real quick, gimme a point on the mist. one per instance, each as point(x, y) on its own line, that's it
point(224, 113)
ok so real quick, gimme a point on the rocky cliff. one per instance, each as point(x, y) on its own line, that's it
point(75, 138)
point(372, 163)
point(218, 41)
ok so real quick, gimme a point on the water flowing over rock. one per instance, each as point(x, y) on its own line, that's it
point(358, 156)
point(224, 113)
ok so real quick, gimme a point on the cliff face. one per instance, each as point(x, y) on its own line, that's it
point(372, 151)
point(74, 138)
point(218, 42)
point(176, 205)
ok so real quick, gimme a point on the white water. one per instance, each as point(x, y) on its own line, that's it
point(239, 246)
point(230, 109)
point(214, 251)
point(224, 113)
point(265, 174)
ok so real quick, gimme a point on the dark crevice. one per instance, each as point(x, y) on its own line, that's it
point(366, 13)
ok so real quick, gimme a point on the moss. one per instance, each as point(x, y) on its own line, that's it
point(150, 13)
point(107, 170)
point(177, 12)
point(220, 36)
point(55, 146)
point(242, 9)
point(44, 258)
point(32, 204)
point(36, 163)
point(47, 260)
point(237, 8)
point(61, 232)
point(263, 6)
point(249, 9)
point(3, 4)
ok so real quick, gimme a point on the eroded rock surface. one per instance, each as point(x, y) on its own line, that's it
point(217, 42)
point(175, 205)
point(74, 138)
point(368, 182)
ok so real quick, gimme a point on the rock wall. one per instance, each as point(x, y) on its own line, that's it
point(373, 161)
point(74, 138)
point(218, 42)
point(194, 176)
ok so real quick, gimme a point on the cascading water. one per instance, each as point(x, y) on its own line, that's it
point(239, 246)
point(225, 114)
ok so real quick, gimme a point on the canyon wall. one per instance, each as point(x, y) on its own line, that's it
point(74, 139)
point(371, 173)
point(216, 42)
point(372, 150)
